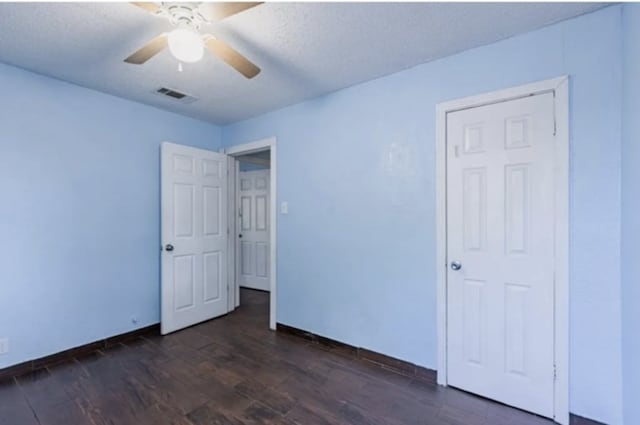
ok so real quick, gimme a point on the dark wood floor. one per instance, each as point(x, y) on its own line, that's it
point(233, 370)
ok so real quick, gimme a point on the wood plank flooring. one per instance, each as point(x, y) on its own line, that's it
point(233, 370)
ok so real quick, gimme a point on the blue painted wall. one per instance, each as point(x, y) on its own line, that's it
point(79, 218)
point(631, 215)
point(356, 252)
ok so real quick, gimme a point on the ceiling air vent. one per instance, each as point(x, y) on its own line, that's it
point(175, 95)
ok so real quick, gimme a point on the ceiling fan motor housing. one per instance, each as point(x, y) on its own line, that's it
point(184, 14)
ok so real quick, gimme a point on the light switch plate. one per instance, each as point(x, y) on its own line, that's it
point(284, 208)
point(4, 346)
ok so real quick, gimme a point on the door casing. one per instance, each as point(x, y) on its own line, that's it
point(244, 149)
point(560, 89)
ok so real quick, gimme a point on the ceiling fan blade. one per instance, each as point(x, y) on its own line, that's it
point(148, 51)
point(225, 52)
point(216, 11)
point(148, 6)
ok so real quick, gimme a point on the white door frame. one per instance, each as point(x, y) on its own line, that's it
point(560, 89)
point(244, 149)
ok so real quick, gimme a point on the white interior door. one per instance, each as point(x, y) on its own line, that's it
point(500, 238)
point(194, 236)
point(253, 229)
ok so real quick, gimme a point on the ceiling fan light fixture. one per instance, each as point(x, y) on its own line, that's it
point(186, 45)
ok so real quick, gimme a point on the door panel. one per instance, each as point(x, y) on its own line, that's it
point(194, 222)
point(246, 254)
point(254, 228)
point(245, 207)
point(500, 227)
point(183, 210)
point(212, 276)
point(261, 212)
point(183, 282)
point(262, 259)
point(212, 209)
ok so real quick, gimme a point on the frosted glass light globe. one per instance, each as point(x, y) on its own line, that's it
point(186, 45)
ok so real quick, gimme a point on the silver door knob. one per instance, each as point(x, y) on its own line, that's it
point(456, 265)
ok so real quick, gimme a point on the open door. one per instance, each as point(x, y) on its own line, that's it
point(194, 236)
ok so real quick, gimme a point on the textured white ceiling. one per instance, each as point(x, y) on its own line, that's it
point(304, 49)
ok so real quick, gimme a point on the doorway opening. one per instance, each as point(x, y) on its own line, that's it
point(252, 223)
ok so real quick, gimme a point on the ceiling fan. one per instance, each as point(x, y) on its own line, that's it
point(185, 43)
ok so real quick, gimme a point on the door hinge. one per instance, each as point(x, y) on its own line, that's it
point(555, 372)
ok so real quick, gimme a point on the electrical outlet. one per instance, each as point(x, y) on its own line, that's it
point(4, 346)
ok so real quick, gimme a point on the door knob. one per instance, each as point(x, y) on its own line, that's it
point(456, 265)
point(240, 235)
point(169, 247)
